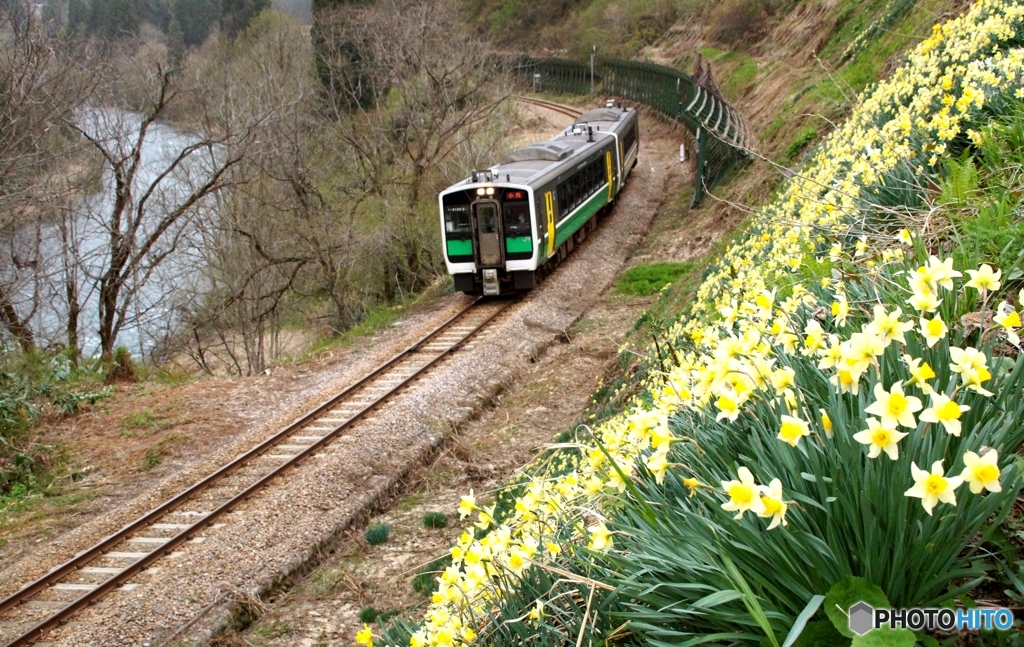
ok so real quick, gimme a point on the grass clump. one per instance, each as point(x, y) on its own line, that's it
point(645, 280)
point(368, 615)
point(435, 520)
point(378, 534)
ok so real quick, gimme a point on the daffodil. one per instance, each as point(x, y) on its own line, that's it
point(600, 537)
point(933, 329)
point(1008, 318)
point(971, 365)
point(826, 423)
point(774, 506)
point(924, 301)
point(728, 408)
point(945, 411)
point(905, 237)
point(467, 505)
point(942, 272)
point(537, 612)
point(982, 472)
point(793, 429)
point(933, 487)
point(657, 463)
point(693, 484)
point(920, 373)
point(888, 325)
point(742, 494)
point(880, 438)
point(365, 636)
point(984, 278)
point(840, 310)
point(894, 407)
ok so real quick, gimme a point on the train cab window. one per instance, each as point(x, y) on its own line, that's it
point(517, 219)
point(456, 220)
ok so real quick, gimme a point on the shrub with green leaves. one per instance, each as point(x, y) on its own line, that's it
point(435, 520)
point(377, 534)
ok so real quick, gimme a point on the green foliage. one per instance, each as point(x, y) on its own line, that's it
point(804, 136)
point(368, 615)
point(32, 386)
point(378, 534)
point(985, 200)
point(425, 581)
point(275, 630)
point(435, 520)
point(197, 17)
point(645, 280)
point(847, 592)
point(237, 14)
point(113, 19)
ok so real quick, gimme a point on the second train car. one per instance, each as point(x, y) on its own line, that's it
point(503, 225)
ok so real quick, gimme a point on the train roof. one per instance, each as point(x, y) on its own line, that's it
point(529, 163)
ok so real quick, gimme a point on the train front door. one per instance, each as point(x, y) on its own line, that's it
point(488, 228)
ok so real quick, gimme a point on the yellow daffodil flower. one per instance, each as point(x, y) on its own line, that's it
point(880, 438)
point(467, 505)
point(693, 484)
point(933, 329)
point(982, 473)
point(742, 494)
point(894, 407)
point(774, 506)
point(984, 279)
point(826, 423)
point(1008, 318)
point(970, 364)
point(888, 325)
point(365, 636)
point(945, 411)
point(728, 408)
point(933, 487)
point(793, 429)
point(920, 373)
point(600, 537)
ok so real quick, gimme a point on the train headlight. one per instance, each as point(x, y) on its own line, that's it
point(490, 190)
point(479, 191)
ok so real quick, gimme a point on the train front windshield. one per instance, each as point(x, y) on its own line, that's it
point(503, 218)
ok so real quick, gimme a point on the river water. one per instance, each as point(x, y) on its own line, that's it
point(40, 256)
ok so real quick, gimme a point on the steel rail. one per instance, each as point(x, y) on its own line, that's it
point(92, 596)
point(551, 105)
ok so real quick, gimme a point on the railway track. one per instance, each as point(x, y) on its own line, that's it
point(109, 565)
point(562, 109)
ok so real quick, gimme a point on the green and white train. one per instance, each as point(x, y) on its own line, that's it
point(505, 225)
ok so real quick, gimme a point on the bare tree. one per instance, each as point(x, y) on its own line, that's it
point(408, 91)
point(157, 191)
point(41, 85)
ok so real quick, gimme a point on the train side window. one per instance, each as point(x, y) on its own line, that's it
point(456, 220)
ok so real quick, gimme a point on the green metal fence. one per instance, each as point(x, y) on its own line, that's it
point(719, 131)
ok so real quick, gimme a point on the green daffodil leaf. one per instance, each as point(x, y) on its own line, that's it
point(847, 592)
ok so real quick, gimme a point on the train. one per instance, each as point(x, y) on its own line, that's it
point(506, 226)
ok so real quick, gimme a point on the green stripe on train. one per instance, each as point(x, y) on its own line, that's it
point(518, 244)
point(460, 247)
point(589, 208)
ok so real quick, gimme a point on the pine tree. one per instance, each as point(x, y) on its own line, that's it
point(237, 14)
point(196, 18)
point(175, 42)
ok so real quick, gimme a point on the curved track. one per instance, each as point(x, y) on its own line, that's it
point(111, 563)
point(561, 109)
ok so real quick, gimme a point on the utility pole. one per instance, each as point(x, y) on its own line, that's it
point(593, 53)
